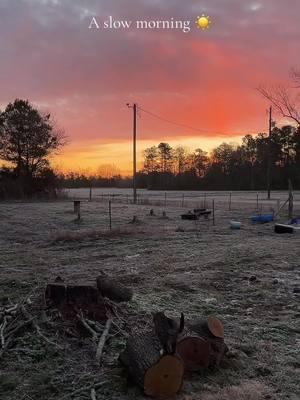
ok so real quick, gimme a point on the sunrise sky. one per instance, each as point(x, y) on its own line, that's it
point(205, 79)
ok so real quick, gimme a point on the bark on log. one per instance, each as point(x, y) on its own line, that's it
point(167, 331)
point(112, 289)
point(210, 331)
point(158, 375)
point(210, 327)
point(72, 299)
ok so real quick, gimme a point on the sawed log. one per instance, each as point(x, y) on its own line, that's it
point(115, 291)
point(202, 344)
point(158, 374)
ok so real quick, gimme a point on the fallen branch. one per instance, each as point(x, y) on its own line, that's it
point(93, 394)
point(103, 339)
point(88, 327)
point(38, 329)
point(3, 326)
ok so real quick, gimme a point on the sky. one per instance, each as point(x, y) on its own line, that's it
point(205, 79)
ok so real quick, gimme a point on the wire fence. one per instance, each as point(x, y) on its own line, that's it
point(257, 201)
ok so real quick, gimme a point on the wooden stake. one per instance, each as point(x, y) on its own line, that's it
point(109, 212)
point(76, 207)
point(291, 199)
point(213, 211)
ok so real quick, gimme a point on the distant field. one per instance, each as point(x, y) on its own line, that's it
point(248, 278)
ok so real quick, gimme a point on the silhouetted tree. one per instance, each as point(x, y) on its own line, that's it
point(27, 138)
point(151, 163)
point(165, 157)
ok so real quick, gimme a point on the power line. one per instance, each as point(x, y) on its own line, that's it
point(207, 131)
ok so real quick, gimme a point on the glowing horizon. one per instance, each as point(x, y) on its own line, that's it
point(111, 154)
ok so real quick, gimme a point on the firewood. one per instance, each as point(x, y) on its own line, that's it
point(157, 374)
point(167, 331)
point(210, 327)
point(115, 291)
point(194, 351)
point(202, 344)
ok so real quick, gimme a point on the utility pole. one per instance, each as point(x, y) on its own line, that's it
point(269, 154)
point(134, 107)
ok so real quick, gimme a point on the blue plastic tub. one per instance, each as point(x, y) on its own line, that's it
point(262, 219)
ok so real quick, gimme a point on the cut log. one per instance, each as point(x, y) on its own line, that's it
point(194, 351)
point(112, 289)
point(158, 375)
point(212, 331)
point(211, 326)
point(70, 300)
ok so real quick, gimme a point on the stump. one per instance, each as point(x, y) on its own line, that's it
point(114, 290)
point(70, 300)
point(202, 344)
point(158, 375)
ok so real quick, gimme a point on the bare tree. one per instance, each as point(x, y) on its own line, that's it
point(295, 74)
point(283, 98)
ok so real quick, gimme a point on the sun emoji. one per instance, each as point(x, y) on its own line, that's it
point(203, 22)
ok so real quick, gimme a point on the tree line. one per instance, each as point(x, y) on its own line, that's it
point(228, 166)
point(29, 137)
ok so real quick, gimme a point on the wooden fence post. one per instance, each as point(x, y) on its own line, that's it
point(291, 200)
point(77, 209)
point(76, 206)
point(109, 212)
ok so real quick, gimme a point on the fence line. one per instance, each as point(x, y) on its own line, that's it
point(226, 200)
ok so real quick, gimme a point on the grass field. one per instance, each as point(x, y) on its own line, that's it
point(248, 278)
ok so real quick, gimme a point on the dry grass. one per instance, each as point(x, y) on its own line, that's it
point(87, 234)
point(246, 390)
point(199, 270)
